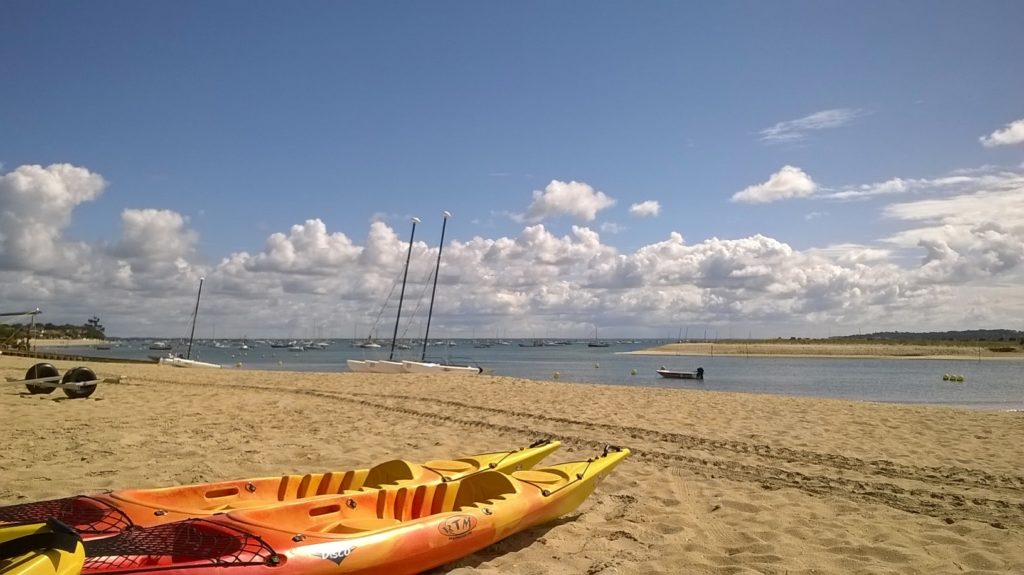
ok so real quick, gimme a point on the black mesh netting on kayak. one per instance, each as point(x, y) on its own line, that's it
point(88, 516)
point(179, 542)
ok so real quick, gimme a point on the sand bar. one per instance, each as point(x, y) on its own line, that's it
point(718, 483)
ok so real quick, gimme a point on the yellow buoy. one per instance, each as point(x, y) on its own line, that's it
point(945, 377)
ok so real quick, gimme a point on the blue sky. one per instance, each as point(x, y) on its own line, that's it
point(792, 147)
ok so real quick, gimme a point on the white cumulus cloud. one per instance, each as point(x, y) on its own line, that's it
point(155, 234)
point(789, 182)
point(36, 205)
point(648, 208)
point(575, 199)
point(976, 234)
point(308, 248)
point(958, 251)
point(1013, 133)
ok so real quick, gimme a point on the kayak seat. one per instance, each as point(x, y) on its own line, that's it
point(483, 489)
point(545, 479)
point(392, 472)
point(449, 467)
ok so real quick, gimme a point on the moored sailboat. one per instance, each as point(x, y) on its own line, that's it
point(424, 366)
point(187, 361)
point(389, 365)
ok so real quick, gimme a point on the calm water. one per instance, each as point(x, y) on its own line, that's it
point(987, 384)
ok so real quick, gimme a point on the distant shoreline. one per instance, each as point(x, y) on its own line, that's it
point(833, 350)
point(66, 342)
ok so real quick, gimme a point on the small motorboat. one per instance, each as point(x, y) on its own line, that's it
point(699, 374)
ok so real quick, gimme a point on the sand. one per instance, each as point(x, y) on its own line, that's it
point(717, 483)
point(785, 348)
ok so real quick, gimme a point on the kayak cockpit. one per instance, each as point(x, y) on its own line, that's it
point(207, 499)
point(363, 512)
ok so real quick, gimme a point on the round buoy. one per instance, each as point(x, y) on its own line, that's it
point(632, 371)
point(597, 366)
point(239, 364)
point(38, 371)
point(76, 375)
point(945, 377)
point(959, 378)
point(555, 375)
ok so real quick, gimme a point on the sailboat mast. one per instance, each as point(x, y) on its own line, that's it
point(401, 295)
point(195, 314)
point(437, 269)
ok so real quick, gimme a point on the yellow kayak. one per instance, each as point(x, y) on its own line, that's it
point(50, 548)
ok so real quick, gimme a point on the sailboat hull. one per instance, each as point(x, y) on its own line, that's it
point(429, 367)
point(360, 366)
point(182, 362)
point(375, 366)
point(388, 367)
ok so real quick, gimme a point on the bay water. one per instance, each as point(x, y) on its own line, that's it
point(989, 385)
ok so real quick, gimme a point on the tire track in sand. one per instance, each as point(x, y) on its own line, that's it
point(950, 507)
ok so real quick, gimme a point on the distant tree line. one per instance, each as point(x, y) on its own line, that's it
point(92, 329)
point(986, 335)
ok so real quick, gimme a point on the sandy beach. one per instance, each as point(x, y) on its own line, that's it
point(886, 350)
point(717, 483)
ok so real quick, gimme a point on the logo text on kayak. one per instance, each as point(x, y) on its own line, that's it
point(337, 554)
point(457, 526)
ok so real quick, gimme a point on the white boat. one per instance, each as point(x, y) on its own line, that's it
point(187, 361)
point(375, 366)
point(672, 374)
point(175, 361)
point(389, 365)
point(160, 346)
point(361, 366)
point(424, 366)
point(431, 367)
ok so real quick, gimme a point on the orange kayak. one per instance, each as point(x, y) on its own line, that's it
point(392, 531)
point(107, 514)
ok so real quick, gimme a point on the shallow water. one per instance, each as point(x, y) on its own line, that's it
point(987, 384)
